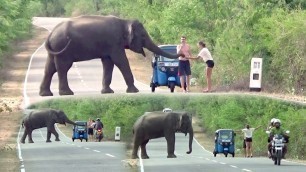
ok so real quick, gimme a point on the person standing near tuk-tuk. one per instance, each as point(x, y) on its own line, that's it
point(90, 126)
point(248, 135)
point(184, 70)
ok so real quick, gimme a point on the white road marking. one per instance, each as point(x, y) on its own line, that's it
point(110, 155)
point(223, 163)
point(26, 102)
point(233, 166)
point(140, 161)
point(246, 170)
point(22, 169)
point(96, 151)
point(87, 148)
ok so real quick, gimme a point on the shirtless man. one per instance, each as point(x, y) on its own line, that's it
point(184, 64)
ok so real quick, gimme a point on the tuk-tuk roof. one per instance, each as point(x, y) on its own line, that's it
point(223, 130)
point(81, 122)
point(168, 46)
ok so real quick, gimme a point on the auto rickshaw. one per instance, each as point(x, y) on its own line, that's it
point(80, 131)
point(165, 70)
point(224, 142)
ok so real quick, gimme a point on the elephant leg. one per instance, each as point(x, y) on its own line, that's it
point(30, 139)
point(53, 131)
point(144, 154)
point(48, 74)
point(24, 136)
point(170, 145)
point(120, 60)
point(62, 67)
point(135, 149)
point(108, 67)
point(48, 136)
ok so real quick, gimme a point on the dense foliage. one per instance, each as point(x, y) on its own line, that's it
point(214, 112)
point(235, 31)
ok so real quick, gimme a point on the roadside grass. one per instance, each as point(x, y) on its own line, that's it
point(214, 111)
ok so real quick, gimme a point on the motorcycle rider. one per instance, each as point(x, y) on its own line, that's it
point(98, 126)
point(280, 131)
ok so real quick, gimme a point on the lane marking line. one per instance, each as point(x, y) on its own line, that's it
point(22, 168)
point(233, 166)
point(96, 151)
point(26, 102)
point(140, 161)
point(110, 155)
point(246, 170)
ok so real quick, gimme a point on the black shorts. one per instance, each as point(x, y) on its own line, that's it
point(248, 139)
point(90, 131)
point(184, 68)
point(210, 63)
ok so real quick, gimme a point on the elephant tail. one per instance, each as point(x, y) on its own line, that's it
point(47, 45)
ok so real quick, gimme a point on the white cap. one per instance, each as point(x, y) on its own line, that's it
point(277, 120)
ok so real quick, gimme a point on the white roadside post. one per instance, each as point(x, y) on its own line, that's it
point(117, 133)
point(256, 74)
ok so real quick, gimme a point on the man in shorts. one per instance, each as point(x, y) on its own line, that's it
point(184, 70)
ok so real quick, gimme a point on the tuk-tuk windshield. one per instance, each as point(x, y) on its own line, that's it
point(226, 135)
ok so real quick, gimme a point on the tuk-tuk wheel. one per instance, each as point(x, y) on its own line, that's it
point(86, 140)
point(73, 139)
point(81, 140)
point(233, 155)
point(171, 86)
point(152, 88)
point(225, 155)
point(215, 153)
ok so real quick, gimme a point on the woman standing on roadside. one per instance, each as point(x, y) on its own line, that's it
point(207, 58)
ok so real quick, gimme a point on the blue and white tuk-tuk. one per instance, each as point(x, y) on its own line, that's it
point(165, 70)
point(80, 131)
point(224, 142)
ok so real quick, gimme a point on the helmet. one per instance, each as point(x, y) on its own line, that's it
point(273, 120)
point(98, 119)
point(277, 121)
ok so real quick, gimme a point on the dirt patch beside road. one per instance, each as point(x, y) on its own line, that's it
point(12, 77)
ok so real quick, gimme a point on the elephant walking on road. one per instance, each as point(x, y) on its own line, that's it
point(153, 125)
point(43, 118)
point(90, 37)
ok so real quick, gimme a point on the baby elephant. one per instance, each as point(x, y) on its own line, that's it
point(43, 118)
point(153, 125)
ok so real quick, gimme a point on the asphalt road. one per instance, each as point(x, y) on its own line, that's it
point(111, 156)
point(71, 156)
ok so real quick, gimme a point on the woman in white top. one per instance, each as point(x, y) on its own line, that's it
point(248, 135)
point(207, 58)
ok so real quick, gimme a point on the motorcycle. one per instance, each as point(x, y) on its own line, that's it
point(277, 147)
point(99, 135)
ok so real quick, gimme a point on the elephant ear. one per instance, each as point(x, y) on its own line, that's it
point(179, 123)
point(135, 37)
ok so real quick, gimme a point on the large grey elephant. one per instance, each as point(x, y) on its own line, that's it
point(43, 118)
point(90, 37)
point(153, 125)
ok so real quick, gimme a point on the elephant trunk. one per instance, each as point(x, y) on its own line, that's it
point(190, 140)
point(70, 122)
point(155, 49)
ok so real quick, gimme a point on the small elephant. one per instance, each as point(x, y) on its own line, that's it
point(153, 125)
point(43, 118)
point(95, 37)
